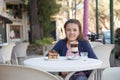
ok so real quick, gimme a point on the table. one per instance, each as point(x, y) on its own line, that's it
point(62, 64)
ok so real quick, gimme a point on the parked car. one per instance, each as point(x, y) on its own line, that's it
point(92, 36)
point(106, 37)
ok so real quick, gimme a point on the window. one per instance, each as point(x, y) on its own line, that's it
point(14, 32)
point(14, 10)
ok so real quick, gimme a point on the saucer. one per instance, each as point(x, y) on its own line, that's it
point(73, 58)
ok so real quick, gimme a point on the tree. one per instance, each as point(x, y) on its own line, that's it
point(40, 17)
point(104, 15)
point(46, 9)
point(36, 30)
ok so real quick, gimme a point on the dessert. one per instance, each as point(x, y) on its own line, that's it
point(52, 55)
point(74, 47)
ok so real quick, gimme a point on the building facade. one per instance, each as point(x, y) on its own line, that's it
point(14, 21)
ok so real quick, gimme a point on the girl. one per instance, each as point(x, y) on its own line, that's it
point(73, 32)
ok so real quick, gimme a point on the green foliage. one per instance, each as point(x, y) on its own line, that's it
point(26, 2)
point(46, 9)
point(44, 41)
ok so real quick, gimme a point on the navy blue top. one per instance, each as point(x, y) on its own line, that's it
point(83, 46)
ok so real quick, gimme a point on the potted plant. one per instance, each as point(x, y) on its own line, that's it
point(46, 43)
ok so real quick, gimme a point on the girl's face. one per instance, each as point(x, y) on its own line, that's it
point(72, 32)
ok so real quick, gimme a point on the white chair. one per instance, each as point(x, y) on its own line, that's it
point(47, 48)
point(91, 76)
point(103, 53)
point(112, 73)
point(15, 72)
point(6, 52)
point(95, 44)
point(1, 59)
point(20, 52)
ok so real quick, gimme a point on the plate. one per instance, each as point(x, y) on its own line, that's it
point(73, 58)
point(45, 58)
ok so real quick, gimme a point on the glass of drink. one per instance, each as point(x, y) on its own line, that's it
point(74, 48)
point(84, 55)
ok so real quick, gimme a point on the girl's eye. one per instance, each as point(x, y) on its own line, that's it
point(74, 30)
point(68, 29)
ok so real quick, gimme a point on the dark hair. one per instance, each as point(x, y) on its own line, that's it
point(75, 21)
point(117, 33)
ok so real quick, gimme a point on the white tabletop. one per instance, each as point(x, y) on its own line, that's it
point(63, 64)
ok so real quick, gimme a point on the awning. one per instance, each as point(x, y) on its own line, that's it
point(14, 1)
point(7, 20)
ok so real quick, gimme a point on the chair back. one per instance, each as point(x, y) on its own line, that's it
point(6, 52)
point(20, 49)
point(13, 72)
point(103, 53)
point(1, 59)
point(112, 73)
point(95, 44)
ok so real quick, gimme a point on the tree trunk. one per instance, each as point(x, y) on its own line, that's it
point(36, 31)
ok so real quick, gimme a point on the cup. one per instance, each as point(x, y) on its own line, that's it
point(84, 55)
point(74, 48)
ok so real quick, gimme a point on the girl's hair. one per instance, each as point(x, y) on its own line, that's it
point(75, 21)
